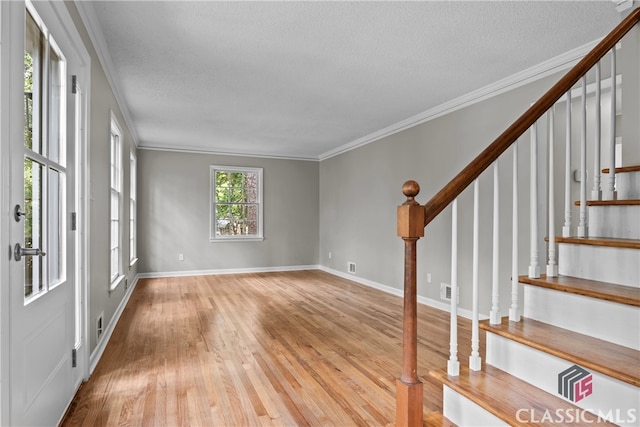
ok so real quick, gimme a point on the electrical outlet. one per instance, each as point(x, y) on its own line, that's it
point(180, 257)
point(428, 277)
point(329, 254)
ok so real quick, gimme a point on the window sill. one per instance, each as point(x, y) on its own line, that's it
point(236, 239)
point(133, 262)
point(116, 283)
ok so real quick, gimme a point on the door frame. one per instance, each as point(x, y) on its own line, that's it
point(57, 16)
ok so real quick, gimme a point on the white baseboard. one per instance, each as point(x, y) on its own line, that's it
point(159, 274)
point(108, 331)
point(399, 292)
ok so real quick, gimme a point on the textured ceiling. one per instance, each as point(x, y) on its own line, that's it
point(300, 79)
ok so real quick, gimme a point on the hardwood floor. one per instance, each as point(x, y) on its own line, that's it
point(290, 348)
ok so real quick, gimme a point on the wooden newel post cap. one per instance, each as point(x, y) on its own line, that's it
point(410, 189)
point(410, 213)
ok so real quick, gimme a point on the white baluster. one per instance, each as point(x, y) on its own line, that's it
point(453, 365)
point(610, 192)
point(582, 225)
point(596, 192)
point(514, 311)
point(552, 264)
point(534, 267)
point(566, 229)
point(475, 362)
point(494, 315)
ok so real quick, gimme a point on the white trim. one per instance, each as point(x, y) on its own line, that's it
point(161, 274)
point(224, 153)
point(537, 72)
point(108, 330)
point(91, 24)
point(398, 292)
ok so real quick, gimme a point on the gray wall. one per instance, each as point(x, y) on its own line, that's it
point(102, 103)
point(174, 197)
point(360, 190)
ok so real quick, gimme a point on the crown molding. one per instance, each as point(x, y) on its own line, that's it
point(530, 75)
point(194, 150)
point(91, 24)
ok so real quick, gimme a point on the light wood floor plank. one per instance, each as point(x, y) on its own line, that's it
point(268, 349)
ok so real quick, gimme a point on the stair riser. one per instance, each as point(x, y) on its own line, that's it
point(601, 319)
point(620, 266)
point(463, 412)
point(620, 222)
point(541, 370)
point(628, 185)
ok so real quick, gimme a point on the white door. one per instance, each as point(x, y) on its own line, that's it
point(41, 194)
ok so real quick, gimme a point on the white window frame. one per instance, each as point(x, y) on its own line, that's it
point(133, 208)
point(115, 188)
point(259, 236)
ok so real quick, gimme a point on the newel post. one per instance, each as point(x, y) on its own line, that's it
point(408, 386)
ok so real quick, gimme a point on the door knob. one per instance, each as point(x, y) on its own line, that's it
point(19, 252)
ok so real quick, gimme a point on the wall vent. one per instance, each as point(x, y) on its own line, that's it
point(351, 267)
point(99, 326)
point(445, 292)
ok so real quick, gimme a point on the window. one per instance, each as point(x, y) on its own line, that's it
point(116, 204)
point(45, 161)
point(132, 209)
point(236, 211)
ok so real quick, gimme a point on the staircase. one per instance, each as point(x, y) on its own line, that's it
point(568, 353)
point(574, 319)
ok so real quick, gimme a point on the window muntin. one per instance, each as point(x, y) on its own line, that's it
point(236, 199)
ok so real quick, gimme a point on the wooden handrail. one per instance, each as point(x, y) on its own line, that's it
point(473, 170)
point(413, 217)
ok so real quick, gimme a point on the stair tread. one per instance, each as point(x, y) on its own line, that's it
point(623, 169)
point(628, 295)
point(601, 241)
point(504, 395)
point(614, 360)
point(623, 202)
point(433, 419)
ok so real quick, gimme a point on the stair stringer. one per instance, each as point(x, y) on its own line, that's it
point(606, 320)
point(540, 369)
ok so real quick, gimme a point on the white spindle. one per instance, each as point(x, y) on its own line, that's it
point(566, 229)
point(494, 315)
point(552, 265)
point(475, 361)
point(596, 192)
point(534, 267)
point(514, 311)
point(453, 365)
point(610, 192)
point(582, 225)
